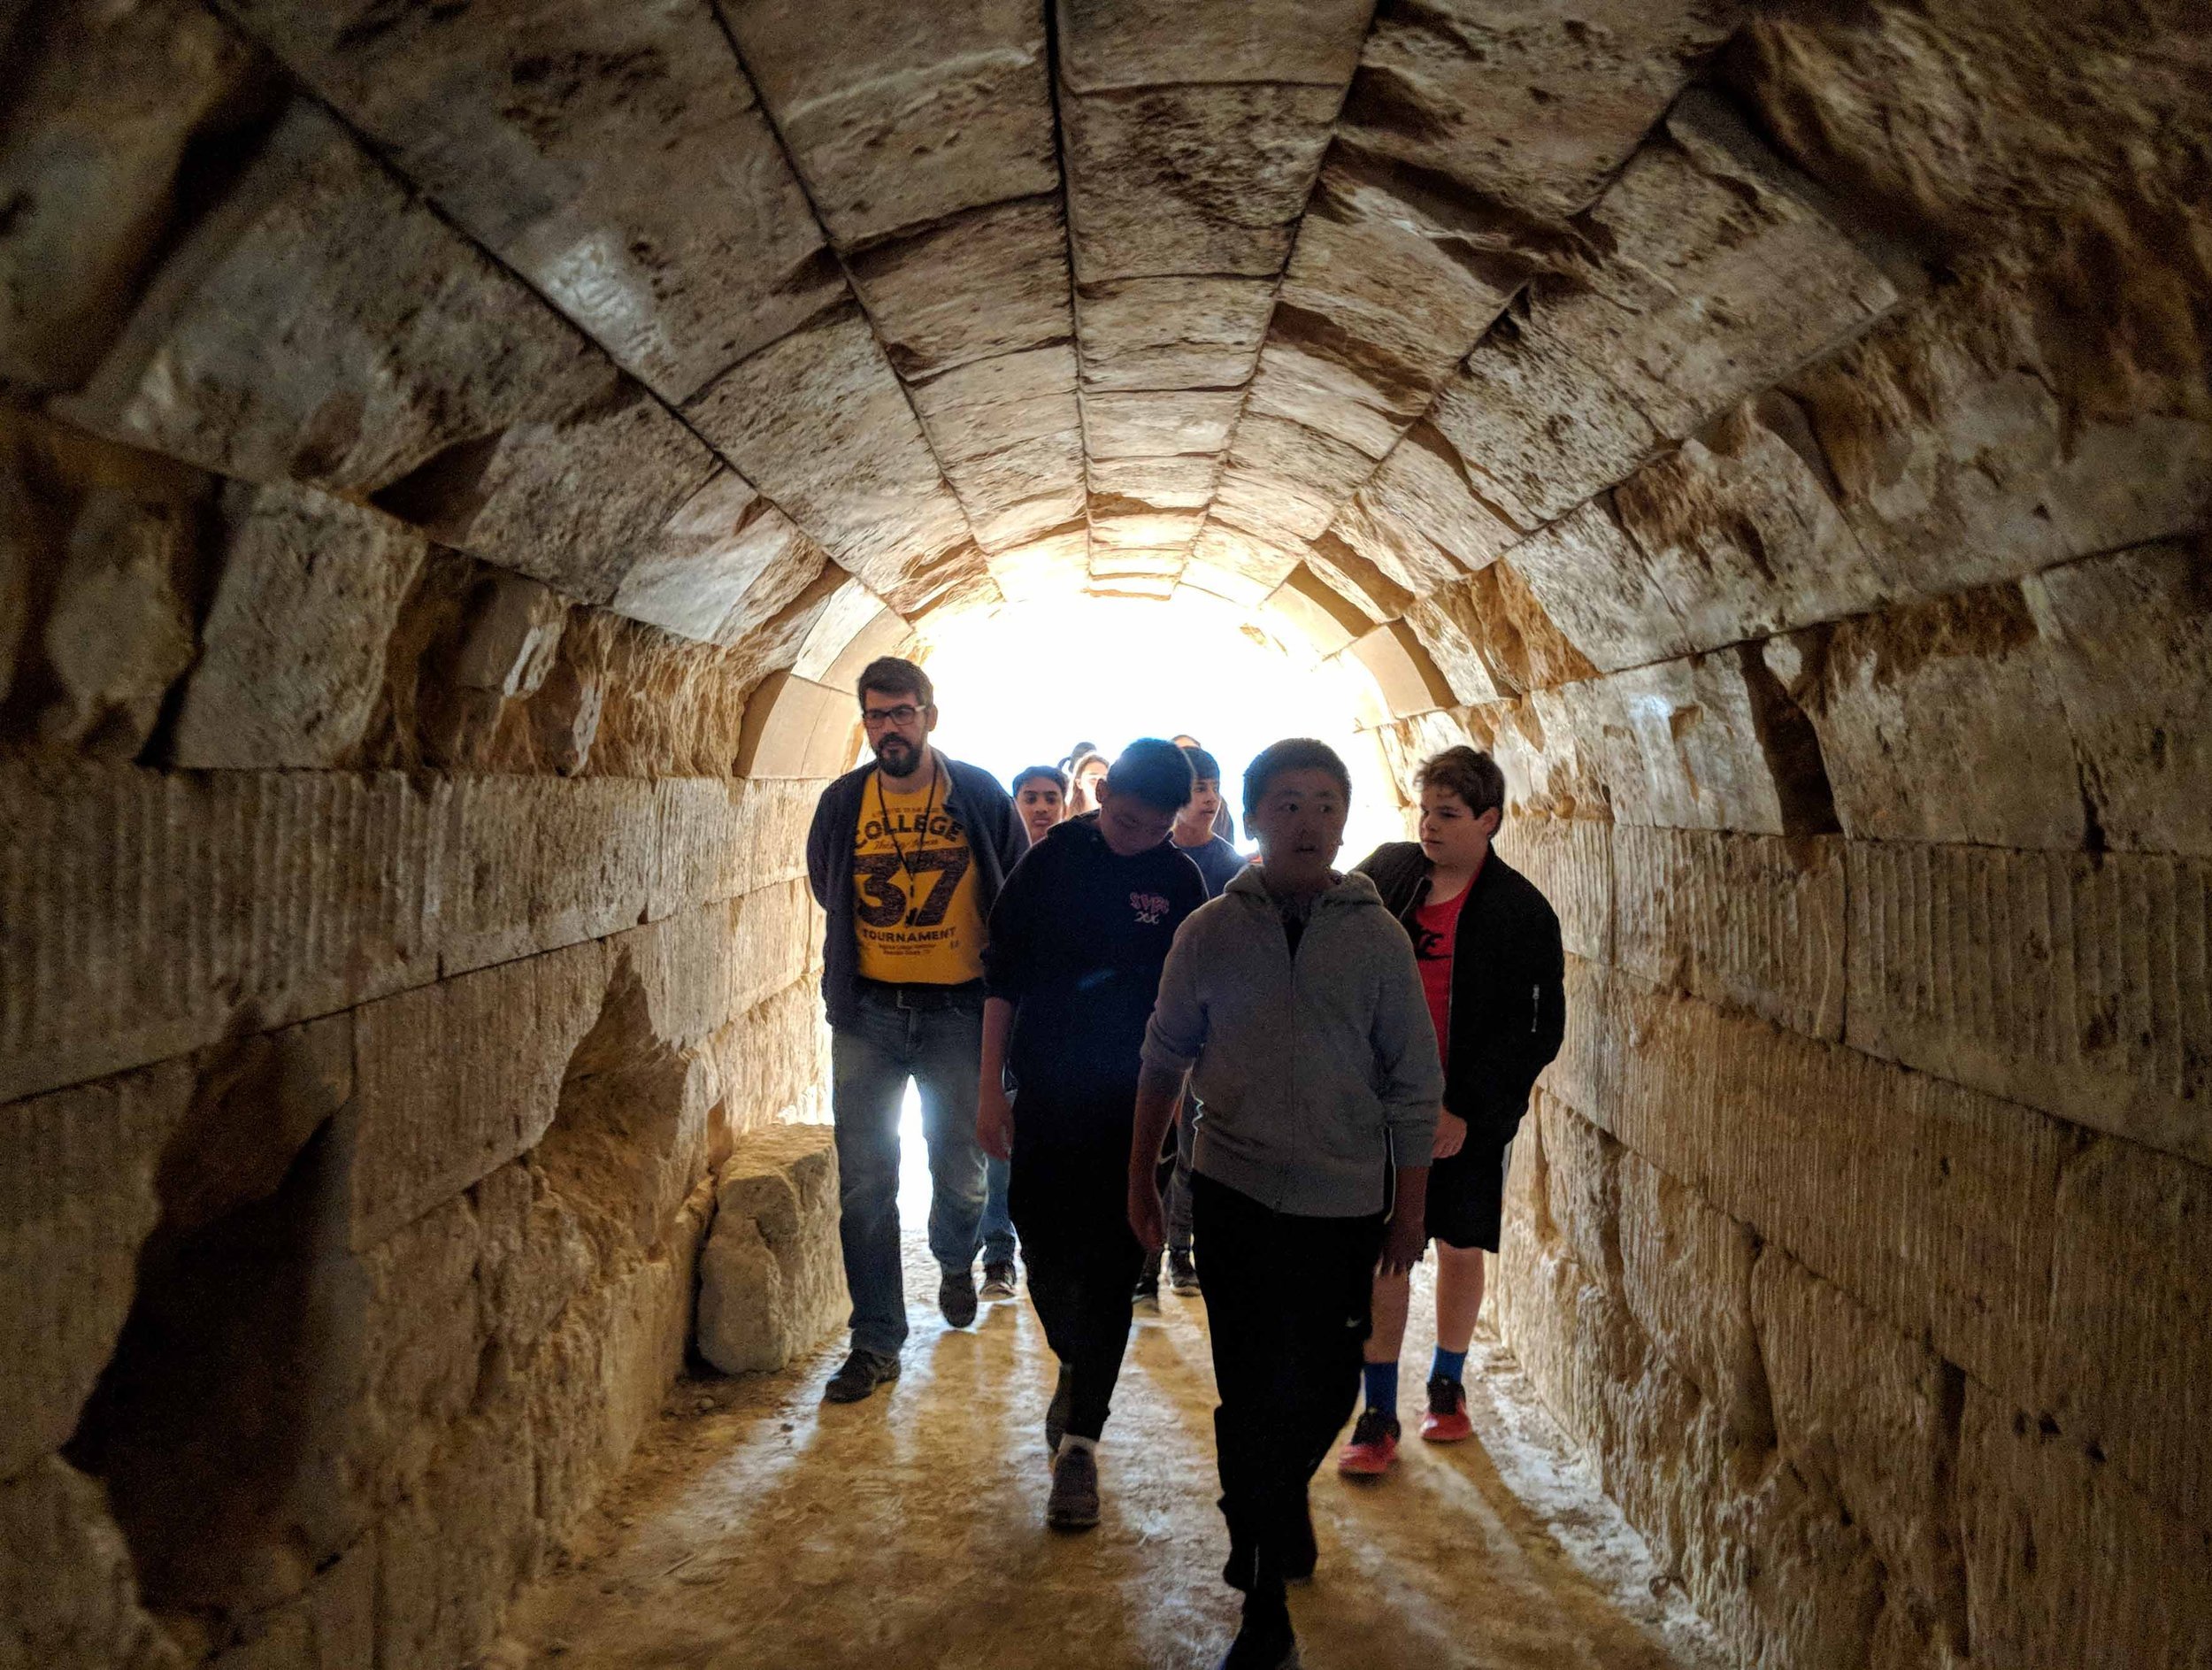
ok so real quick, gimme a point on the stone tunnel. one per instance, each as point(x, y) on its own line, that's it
point(454, 457)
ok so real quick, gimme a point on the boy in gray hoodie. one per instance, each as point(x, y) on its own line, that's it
point(1295, 1004)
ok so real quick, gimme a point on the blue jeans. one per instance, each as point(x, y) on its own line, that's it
point(999, 1245)
point(941, 1050)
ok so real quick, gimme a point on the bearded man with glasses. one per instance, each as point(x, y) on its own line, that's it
point(906, 856)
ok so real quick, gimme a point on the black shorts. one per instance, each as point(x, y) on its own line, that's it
point(1466, 1195)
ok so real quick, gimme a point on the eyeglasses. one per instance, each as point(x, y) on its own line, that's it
point(904, 713)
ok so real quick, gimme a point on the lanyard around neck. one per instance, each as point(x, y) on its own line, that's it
point(929, 808)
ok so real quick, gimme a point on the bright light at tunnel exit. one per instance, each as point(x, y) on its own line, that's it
point(1023, 684)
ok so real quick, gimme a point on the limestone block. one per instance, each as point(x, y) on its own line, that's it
point(73, 1214)
point(1183, 483)
point(1027, 490)
point(537, 863)
point(456, 1079)
point(1739, 532)
point(1408, 681)
point(1427, 486)
point(2128, 638)
point(820, 424)
point(2065, 1563)
point(2074, 983)
point(1520, 647)
point(1687, 1278)
point(853, 631)
point(451, 1552)
point(794, 727)
point(1957, 460)
point(989, 281)
point(1539, 429)
point(143, 916)
point(2125, 1368)
point(1723, 274)
point(1143, 530)
point(1323, 616)
point(1300, 381)
point(1570, 860)
point(293, 655)
point(1681, 746)
point(332, 1626)
point(1173, 332)
point(1109, 563)
point(1460, 88)
point(104, 106)
point(1190, 178)
point(1584, 1075)
point(1240, 589)
point(118, 630)
point(1043, 567)
point(1872, 1412)
point(1153, 425)
point(1296, 474)
point(1595, 585)
point(1456, 653)
point(1752, 922)
point(513, 638)
point(991, 405)
point(723, 564)
point(772, 1282)
point(68, 1595)
point(1929, 1203)
point(1551, 767)
point(921, 111)
point(1912, 706)
point(424, 1322)
point(1582, 1180)
point(1124, 44)
point(613, 157)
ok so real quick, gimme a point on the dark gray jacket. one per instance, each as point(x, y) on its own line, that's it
point(996, 842)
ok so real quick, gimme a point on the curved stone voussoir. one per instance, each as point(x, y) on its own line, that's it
point(1171, 333)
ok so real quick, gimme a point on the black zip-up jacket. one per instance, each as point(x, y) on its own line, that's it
point(996, 842)
point(1509, 1006)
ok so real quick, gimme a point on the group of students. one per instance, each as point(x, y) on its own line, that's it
point(1343, 1059)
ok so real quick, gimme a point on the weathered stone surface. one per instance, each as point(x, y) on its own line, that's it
point(1299, 384)
point(2078, 984)
point(1571, 862)
point(1425, 494)
point(1171, 331)
point(1458, 655)
point(1536, 429)
point(1722, 275)
point(726, 561)
point(1408, 681)
point(1595, 585)
point(991, 405)
point(1535, 107)
point(1135, 426)
point(1680, 745)
point(293, 659)
point(175, 905)
point(819, 422)
point(1752, 921)
point(2127, 640)
point(1909, 703)
point(2065, 1564)
point(772, 1282)
point(332, 1623)
point(538, 863)
point(992, 281)
point(71, 1598)
point(2124, 1369)
point(1107, 563)
point(615, 157)
point(1114, 529)
point(1132, 43)
point(72, 1218)
point(1190, 179)
point(1582, 1184)
point(103, 107)
point(922, 109)
point(1240, 589)
point(1027, 490)
point(1184, 482)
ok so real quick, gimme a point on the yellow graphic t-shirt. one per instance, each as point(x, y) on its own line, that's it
point(914, 904)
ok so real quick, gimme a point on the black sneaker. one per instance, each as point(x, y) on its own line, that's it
point(1074, 1503)
point(1147, 1296)
point(863, 1372)
point(1264, 1639)
point(956, 1298)
point(1057, 1410)
point(1182, 1270)
point(999, 1280)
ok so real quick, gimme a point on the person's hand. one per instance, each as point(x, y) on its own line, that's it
point(1405, 1242)
point(1146, 1222)
point(995, 1122)
point(1451, 1136)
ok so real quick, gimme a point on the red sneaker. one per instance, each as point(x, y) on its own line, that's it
point(1447, 1422)
point(1374, 1446)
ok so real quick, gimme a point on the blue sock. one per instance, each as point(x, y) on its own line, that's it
point(1448, 1364)
point(1382, 1387)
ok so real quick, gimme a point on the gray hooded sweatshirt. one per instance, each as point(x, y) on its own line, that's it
point(1314, 1075)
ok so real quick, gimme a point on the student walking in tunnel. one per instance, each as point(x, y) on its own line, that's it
point(1492, 969)
point(1078, 940)
point(907, 857)
point(1295, 1004)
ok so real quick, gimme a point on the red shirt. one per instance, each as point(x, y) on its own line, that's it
point(1436, 930)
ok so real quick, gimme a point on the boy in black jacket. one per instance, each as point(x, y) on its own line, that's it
point(1488, 944)
point(1077, 938)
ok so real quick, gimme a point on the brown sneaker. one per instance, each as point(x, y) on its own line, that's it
point(1074, 1503)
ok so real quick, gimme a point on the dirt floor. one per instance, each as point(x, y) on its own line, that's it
point(761, 1527)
